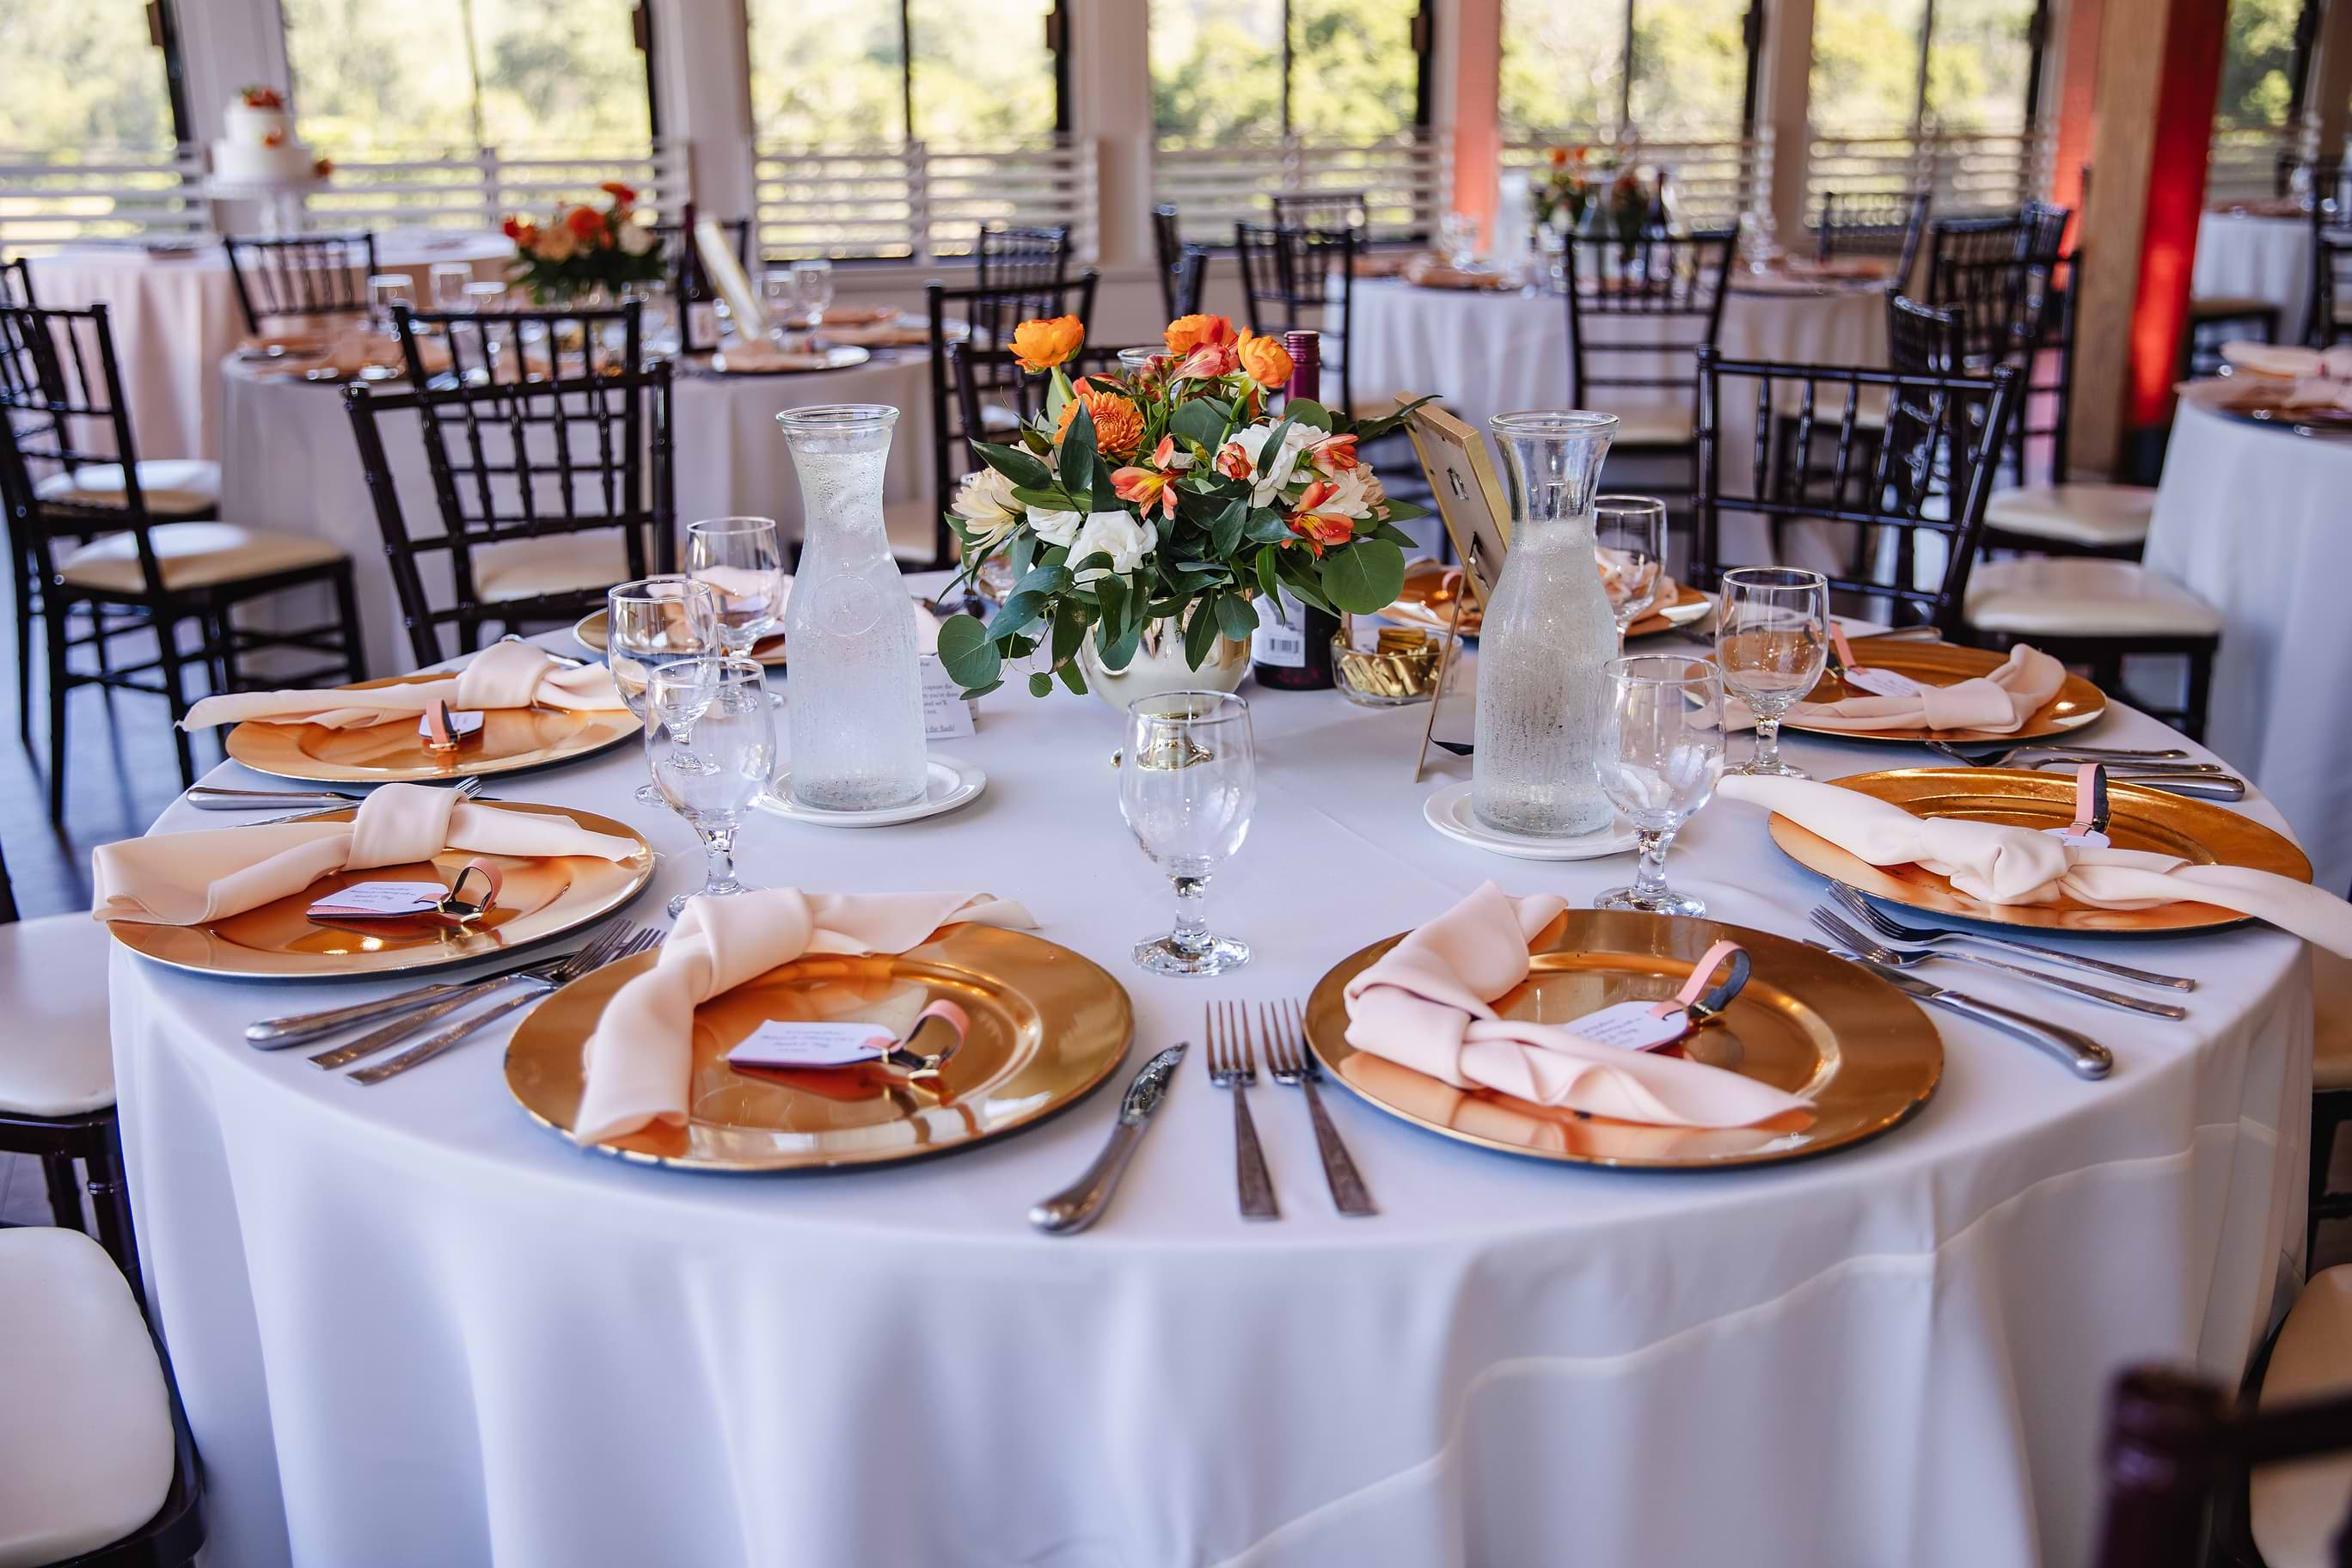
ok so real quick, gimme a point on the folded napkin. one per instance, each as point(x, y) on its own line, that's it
point(1428, 272)
point(757, 356)
point(840, 315)
point(1425, 1004)
point(2288, 362)
point(504, 675)
point(1622, 576)
point(640, 1060)
point(878, 335)
point(185, 878)
point(2008, 865)
point(2000, 702)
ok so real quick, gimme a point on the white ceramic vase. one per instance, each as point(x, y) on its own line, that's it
point(1158, 666)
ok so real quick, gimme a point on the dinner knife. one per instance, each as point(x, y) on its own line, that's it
point(2084, 1055)
point(1079, 1206)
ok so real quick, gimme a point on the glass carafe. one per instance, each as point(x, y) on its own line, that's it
point(854, 686)
point(1547, 639)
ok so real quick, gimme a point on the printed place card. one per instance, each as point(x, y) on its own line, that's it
point(947, 713)
point(366, 900)
point(1633, 1025)
point(1885, 682)
point(461, 724)
point(779, 1043)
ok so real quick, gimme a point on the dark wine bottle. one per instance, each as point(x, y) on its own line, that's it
point(1291, 649)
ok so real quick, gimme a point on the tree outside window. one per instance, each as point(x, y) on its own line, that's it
point(1255, 69)
point(852, 73)
point(2259, 64)
point(89, 79)
point(1883, 66)
point(1669, 69)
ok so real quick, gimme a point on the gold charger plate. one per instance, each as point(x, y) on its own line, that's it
point(511, 739)
point(1427, 602)
point(1663, 620)
point(1807, 1021)
point(2141, 818)
point(589, 632)
point(1047, 1026)
point(2077, 703)
point(542, 898)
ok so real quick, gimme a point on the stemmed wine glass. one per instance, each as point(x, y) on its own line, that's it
point(386, 289)
point(1771, 641)
point(1629, 533)
point(651, 623)
point(743, 561)
point(1661, 753)
point(812, 289)
point(1187, 784)
point(711, 748)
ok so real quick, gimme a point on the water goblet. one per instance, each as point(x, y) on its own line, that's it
point(1630, 536)
point(743, 561)
point(450, 283)
point(653, 622)
point(812, 289)
point(779, 289)
point(1457, 240)
point(1771, 641)
point(386, 289)
point(1661, 752)
point(711, 770)
point(1187, 784)
point(485, 297)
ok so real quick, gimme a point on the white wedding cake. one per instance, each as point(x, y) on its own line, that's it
point(258, 147)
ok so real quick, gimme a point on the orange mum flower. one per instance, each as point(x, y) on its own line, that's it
point(1186, 333)
point(1118, 424)
point(1267, 362)
point(1042, 345)
point(585, 223)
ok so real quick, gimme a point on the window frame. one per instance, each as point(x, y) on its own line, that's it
point(1752, 24)
point(2037, 45)
point(1420, 33)
point(1058, 49)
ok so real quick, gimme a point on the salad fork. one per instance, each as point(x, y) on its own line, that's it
point(466, 788)
point(2171, 758)
point(544, 977)
point(644, 939)
point(1294, 1066)
point(1874, 919)
point(1861, 946)
point(1232, 1065)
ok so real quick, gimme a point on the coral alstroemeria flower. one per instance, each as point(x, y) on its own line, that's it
point(1333, 453)
point(1186, 333)
point(1152, 485)
point(1232, 462)
point(1321, 528)
point(622, 195)
point(1267, 362)
point(1207, 362)
point(1042, 345)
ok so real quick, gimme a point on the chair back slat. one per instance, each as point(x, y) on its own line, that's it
point(1875, 222)
point(1183, 269)
point(1638, 310)
point(1322, 209)
point(1016, 258)
point(303, 275)
point(17, 282)
point(1304, 279)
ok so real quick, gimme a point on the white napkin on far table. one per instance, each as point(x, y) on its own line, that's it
point(1998, 703)
point(504, 675)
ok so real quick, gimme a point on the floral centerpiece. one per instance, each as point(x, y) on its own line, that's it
point(1564, 189)
point(1167, 501)
point(586, 249)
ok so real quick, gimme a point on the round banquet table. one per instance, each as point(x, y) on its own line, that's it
point(412, 1326)
point(175, 314)
point(2253, 518)
point(290, 462)
point(2253, 256)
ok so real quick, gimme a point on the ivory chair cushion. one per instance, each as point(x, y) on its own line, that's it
point(1655, 425)
point(2297, 1508)
point(85, 1416)
point(2331, 1046)
point(557, 564)
point(2099, 515)
point(192, 555)
point(912, 528)
point(2079, 595)
point(171, 486)
point(56, 1055)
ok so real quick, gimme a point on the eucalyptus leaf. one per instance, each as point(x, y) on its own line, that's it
point(1069, 631)
point(1117, 653)
point(1365, 577)
point(968, 654)
point(1072, 677)
point(1237, 615)
point(1019, 612)
point(1045, 499)
point(1043, 580)
point(1025, 546)
point(1041, 684)
point(1200, 635)
point(1370, 430)
point(1198, 422)
point(1308, 412)
point(1111, 594)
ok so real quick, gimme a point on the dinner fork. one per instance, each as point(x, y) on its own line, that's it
point(642, 940)
point(413, 1019)
point(1232, 1065)
point(1293, 1065)
point(2168, 760)
point(465, 789)
point(1861, 946)
point(1885, 925)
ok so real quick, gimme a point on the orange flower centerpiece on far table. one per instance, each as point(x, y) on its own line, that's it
point(586, 250)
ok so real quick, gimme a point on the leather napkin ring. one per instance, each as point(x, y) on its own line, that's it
point(457, 907)
point(2090, 801)
point(955, 1018)
point(1695, 998)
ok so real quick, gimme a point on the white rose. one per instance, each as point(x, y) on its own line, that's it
point(1121, 535)
point(986, 505)
point(636, 239)
point(1355, 492)
point(1057, 527)
point(1278, 474)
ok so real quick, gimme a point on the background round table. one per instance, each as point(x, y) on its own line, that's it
point(2249, 256)
point(175, 315)
point(2253, 517)
point(411, 1326)
point(290, 461)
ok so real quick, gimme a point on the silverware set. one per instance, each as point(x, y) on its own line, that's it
point(315, 801)
point(2170, 769)
point(413, 1012)
point(1232, 1065)
point(1891, 957)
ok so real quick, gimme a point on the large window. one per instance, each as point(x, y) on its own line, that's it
point(1351, 70)
point(2262, 63)
point(412, 76)
point(86, 76)
point(1882, 66)
point(953, 73)
point(1667, 68)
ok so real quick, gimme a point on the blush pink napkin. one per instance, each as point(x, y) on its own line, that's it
point(2000, 702)
point(504, 675)
point(181, 878)
point(640, 1060)
point(1426, 1004)
point(2008, 865)
point(2287, 361)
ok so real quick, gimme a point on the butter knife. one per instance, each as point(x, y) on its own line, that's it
point(2084, 1055)
point(1080, 1205)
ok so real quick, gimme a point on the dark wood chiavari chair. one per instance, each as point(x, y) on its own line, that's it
point(1874, 223)
point(1927, 474)
point(988, 317)
point(548, 437)
point(991, 385)
point(308, 275)
point(1183, 269)
point(114, 538)
point(690, 279)
point(1637, 312)
point(17, 282)
point(1322, 209)
point(1304, 279)
point(1012, 258)
point(2331, 287)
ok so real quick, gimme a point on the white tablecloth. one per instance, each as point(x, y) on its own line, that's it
point(411, 1327)
point(2242, 256)
point(173, 317)
point(2253, 519)
point(290, 461)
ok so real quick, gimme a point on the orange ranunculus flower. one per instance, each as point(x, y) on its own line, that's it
point(1318, 528)
point(585, 223)
point(622, 195)
point(1042, 345)
point(1267, 362)
point(1186, 333)
point(1118, 424)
